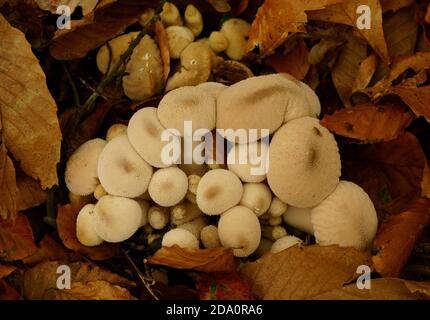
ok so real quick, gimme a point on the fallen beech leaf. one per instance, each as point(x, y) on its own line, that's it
point(220, 5)
point(397, 236)
point(369, 122)
point(365, 72)
point(395, 5)
point(166, 292)
point(303, 272)
point(223, 286)
point(425, 184)
point(7, 184)
point(48, 250)
point(163, 44)
point(381, 289)
point(49, 5)
point(276, 19)
point(40, 282)
point(206, 260)
point(6, 270)
point(66, 223)
point(427, 17)
point(94, 290)
point(29, 115)
point(418, 99)
point(417, 62)
point(29, 193)
point(7, 292)
point(16, 239)
point(106, 22)
point(319, 51)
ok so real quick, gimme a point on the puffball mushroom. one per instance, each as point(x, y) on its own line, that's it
point(218, 191)
point(158, 217)
point(236, 31)
point(213, 88)
point(178, 38)
point(299, 218)
point(85, 231)
point(209, 237)
point(144, 72)
point(122, 172)
point(170, 15)
point(193, 20)
point(196, 66)
point(239, 229)
point(187, 104)
point(180, 237)
point(115, 131)
point(81, 169)
point(218, 42)
point(168, 186)
point(144, 133)
point(285, 243)
point(257, 197)
point(346, 218)
point(304, 163)
point(116, 218)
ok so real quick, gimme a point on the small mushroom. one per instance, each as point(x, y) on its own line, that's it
point(346, 218)
point(170, 15)
point(304, 163)
point(193, 20)
point(213, 88)
point(184, 212)
point(85, 231)
point(239, 229)
point(236, 31)
point(79, 201)
point(158, 217)
point(218, 191)
point(257, 197)
point(146, 16)
point(285, 243)
point(144, 206)
point(277, 207)
point(99, 192)
point(179, 38)
point(181, 237)
point(195, 226)
point(168, 186)
point(122, 172)
point(116, 218)
point(81, 169)
point(187, 104)
point(299, 218)
point(274, 221)
point(218, 41)
point(145, 134)
point(273, 232)
point(209, 237)
point(115, 131)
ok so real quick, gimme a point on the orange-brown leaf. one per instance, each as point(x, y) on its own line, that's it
point(427, 17)
point(397, 236)
point(94, 290)
point(223, 286)
point(365, 72)
point(29, 193)
point(418, 99)
point(7, 184)
point(369, 122)
point(425, 183)
point(394, 5)
point(163, 44)
point(48, 250)
point(6, 270)
point(206, 260)
point(7, 292)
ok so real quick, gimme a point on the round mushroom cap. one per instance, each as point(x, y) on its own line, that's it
point(257, 197)
point(236, 31)
point(304, 163)
point(239, 229)
point(218, 191)
point(187, 104)
point(346, 218)
point(253, 103)
point(180, 237)
point(179, 37)
point(168, 186)
point(144, 133)
point(122, 172)
point(255, 164)
point(81, 169)
point(85, 231)
point(213, 88)
point(116, 130)
point(284, 243)
point(116, 218)
point(299, 218)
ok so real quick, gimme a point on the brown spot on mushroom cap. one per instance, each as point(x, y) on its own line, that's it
point(211, 192)
point(151, 128)
point(168, 186)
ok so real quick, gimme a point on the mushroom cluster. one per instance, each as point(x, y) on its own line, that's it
point(284, 177)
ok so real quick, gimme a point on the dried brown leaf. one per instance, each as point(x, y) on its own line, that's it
point(29, 193)
point(49, 5)
point(163, 44)
point(220, 5)
point(94, 290)
point(395, 5)
point(418, 99)
point(425, 184)
point(7, 292)
point(365, 72)
point(7, 184)
point(49, 250)
point(6, 270)
point(417, 62)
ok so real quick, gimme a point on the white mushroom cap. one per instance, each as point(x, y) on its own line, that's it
point(236, 31)
point(299, 218)
point(218, 41)
point(170, 15)
point(144, 133)
point(179, 38)
point(117, 218)
point(85, 231)
point(195, 226)
point(81, 169)
point(168, 186)
point(285, 243)
point(304, 163)
point(116, 130)
point(209, 237)
point(158, 217)
point(144, 206)
point(346, 218)
point(218, 191)
point(256, 163)
point(193, 19)
point(213, 88)
point(180, 237)
point(239, 229)
point(122, 172)
point(277, 207)
point(187, 104)
point(257, 197)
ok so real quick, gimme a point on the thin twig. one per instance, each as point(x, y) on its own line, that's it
point(72, 85)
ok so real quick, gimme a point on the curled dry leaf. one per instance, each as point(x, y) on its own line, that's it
point(207, 260)
point(29, 193)
point(6, 270)
point(418, 99)
point(397, 237)
point(7, 184)
point(220, 5)
point(94, 290)
point(365, 72)
point(303, 272)
point(29, 114)
point(50, 5)
point(395, 5)
point(223, 286)
point(417, 62)
point(49, 250)
point(7, 292)
point(16, 239)
point(369, 122)
point(163, 44)
point(66, 223)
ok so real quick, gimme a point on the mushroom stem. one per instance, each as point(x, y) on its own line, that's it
point(273, 232)
point(277, 207)
point(193, 19)
point(193, 182)
point(299, 218)
point(99, 192)
point(209, 237)
point(158, 217)
point(195, 226)
point(275, 221)
point(183, 213)
point(264, 247)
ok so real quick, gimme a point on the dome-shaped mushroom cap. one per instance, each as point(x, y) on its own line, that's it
point(116, 218)
point(180, 237)
point(144, 133)
point(284, 243)
point(255, 167)
point(257, 197)
point(122, 172)
point(304, 165)
point(168, 186)
point(81, 169)
point(239, 228)
point(187, 104)
point(179, 37)
point(213, 88)
point(253, 103)
point(85, 231)
point(346, 218)
point(299, 218)
point(218, 191)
